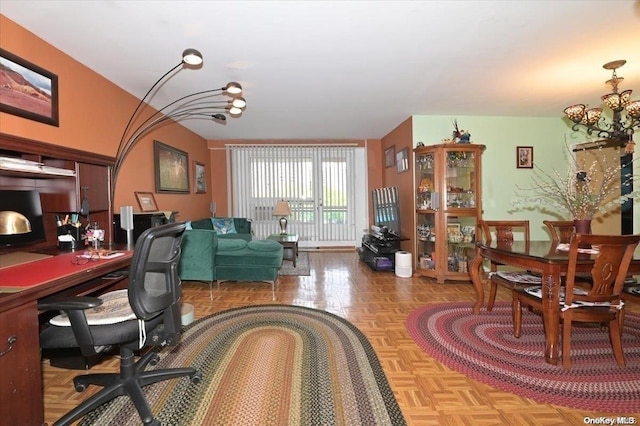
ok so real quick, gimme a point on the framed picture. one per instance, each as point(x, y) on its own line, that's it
point(172, 169)
point(146, 201)
point(453, 232)
point(200, 178)
point(390, 156)
point(28, 91)
point(524, 157)
point(402, 160)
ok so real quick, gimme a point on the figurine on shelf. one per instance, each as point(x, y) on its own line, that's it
point(460, 136)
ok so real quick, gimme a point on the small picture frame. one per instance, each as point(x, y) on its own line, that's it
point(30, 91)
point(146, 201)
point(524, 157)
point(390, 156)
point(402, 160)
point(200, 178)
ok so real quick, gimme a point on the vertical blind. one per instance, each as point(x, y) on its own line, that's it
point(316, 181)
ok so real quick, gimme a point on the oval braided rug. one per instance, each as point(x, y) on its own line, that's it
point(483, 347)
point(267, 365)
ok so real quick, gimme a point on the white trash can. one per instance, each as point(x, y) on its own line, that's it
point(403, 264)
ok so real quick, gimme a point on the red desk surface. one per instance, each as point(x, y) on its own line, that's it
point(19, 277)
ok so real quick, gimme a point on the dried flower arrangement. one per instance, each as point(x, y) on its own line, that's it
point(584, 190)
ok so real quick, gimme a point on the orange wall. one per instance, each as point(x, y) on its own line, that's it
point(399, 138)
point(93, 114)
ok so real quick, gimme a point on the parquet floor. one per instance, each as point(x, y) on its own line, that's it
point(378, 304)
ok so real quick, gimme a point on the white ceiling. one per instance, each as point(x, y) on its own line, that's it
point(351, 69)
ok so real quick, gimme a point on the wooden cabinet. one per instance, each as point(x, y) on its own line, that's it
point(63, 177)
point(448, 191)
point(21, 390)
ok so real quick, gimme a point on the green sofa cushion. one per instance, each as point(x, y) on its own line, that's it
point(264, 245)
point(198, 255)
point(243, 225)
point(202, 224)
point(230, 245)
point(246, 258)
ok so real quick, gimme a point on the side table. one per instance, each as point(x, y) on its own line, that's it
point(288, 242)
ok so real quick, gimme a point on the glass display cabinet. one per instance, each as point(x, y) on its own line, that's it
point(448, 192)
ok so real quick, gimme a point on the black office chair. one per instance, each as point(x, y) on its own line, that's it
point(155, 320)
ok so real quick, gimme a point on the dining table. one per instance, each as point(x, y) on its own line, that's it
point(545, 258)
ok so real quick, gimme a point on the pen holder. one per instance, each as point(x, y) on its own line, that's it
point(77, 232)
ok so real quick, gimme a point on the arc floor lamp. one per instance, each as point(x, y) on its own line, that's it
point(205, 104)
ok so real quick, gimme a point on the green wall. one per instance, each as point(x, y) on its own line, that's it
point(500, 177)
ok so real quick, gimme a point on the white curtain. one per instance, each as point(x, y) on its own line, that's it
point(318, 182)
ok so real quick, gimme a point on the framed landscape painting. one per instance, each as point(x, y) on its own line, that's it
point(27, 90)
point(171, 168)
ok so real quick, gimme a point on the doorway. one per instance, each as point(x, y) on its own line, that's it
point(320, 183)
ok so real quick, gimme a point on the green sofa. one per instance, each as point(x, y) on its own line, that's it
point(207, 256)
point(241, 228)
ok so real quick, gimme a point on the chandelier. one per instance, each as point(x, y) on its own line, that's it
point(204, 104)
point(620, 130)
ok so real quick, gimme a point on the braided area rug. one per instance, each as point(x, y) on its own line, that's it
point(267, 365)
point(483, 348)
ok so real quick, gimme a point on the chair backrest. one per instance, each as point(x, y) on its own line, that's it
point(561, 231)
point(609, 270)
point(154, 284)
point(503, 230)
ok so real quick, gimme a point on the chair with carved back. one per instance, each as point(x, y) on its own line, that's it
point(601, 303)
point(561, 231)
point(503, 232)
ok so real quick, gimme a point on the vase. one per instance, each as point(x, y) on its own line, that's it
point(583, 226)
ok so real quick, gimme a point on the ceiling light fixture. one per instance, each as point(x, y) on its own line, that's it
point(197, 105)
point(620, 130)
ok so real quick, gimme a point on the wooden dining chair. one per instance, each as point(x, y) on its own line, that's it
point(561, 231)
point(601, 303)
point(503, 233)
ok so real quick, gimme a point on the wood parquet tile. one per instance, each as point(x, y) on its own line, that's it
point(378, 304)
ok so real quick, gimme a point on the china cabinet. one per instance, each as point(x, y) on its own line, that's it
point(448, 206)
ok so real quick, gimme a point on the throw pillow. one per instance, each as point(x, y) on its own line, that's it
point(223, 225)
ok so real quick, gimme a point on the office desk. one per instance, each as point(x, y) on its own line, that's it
point(21, 393)
point(539, 256)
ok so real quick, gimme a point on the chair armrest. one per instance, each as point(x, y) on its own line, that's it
point(74, 307)
point(70, 303)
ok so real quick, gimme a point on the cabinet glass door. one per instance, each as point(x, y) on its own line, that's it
point(426, 240)
point(460, 180)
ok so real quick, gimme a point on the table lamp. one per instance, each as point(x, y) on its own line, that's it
point(13, 223)
point(282, 209)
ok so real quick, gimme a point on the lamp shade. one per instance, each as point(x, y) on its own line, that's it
point(192, 57)
point(13, 223)
point(282, 209)
point(233, 88)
